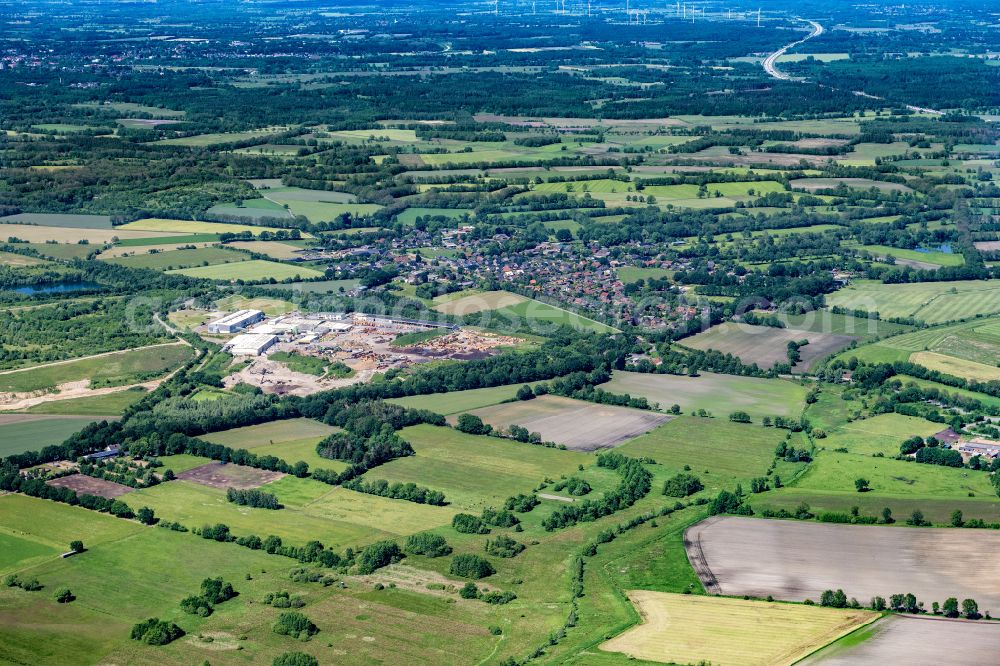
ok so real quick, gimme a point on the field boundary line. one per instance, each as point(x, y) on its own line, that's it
point(87, 358)
point(878, 618)
point(696, 555)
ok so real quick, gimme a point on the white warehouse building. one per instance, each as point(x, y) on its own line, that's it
point(250, 344)
point(235, 321)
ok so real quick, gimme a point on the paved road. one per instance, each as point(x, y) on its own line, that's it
point(771, 60)
point(770, 67)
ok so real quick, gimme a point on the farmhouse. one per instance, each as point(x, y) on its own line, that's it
point(253, 344)
point(980, 447)
point(235, 321)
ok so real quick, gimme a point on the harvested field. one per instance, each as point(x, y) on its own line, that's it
point(766, 346)
point(915, 640)
point(687, 629)
point(59, 220)
point(40, 234)
point(988, 246)
point(270, 248)
point(958, 367)
point(487, 300)
point(795, 561)
point(222, 475)
point(88, 485)
point(581, 426)
point(721, 394)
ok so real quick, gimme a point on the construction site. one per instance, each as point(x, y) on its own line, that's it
point(351, 348)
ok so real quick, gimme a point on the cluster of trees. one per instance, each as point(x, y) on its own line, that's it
point(635, 484)
point(521, 503)
point(790, 454)
point(467, 565)
point(428, 545)
point(295, 625)
point(682, 485)
point(213, 591)
point(503, 546)
point(125, 472)
point(574, 486)
point(410, 492)
point(253, 498)
point(155, 631)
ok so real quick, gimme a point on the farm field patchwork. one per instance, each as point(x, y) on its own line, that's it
point(719, 394)
point(679, 628)
point(580, 426)
point(967, 349)
point(765, 345)
point(797, 560)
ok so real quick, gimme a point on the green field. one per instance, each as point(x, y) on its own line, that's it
point(113, 369)
point(291, 440)
point(410, 215)
point(932, 302)
point(630, 274)
point(205, 256)
point(720, 453)
point(878, 434)
point(35, 433)
point(205, 140)
point(98, 405)
point(254, 270)
point(459, 401)
point(937, 258)
point(472, 471)
point(541, 316)
point(339, 519)
point(719, 394)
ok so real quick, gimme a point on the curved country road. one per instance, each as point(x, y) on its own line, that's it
point(771, 60)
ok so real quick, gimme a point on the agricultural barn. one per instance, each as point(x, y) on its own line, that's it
point(980, 447)
point(235, 321)
point(250, 344)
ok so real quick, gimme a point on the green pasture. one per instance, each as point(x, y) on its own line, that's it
point(205, 256)
point(475, 471)
point(111, 369)
point(37, 433)
point(932, 302)
point(719, 394)
point(254, 270)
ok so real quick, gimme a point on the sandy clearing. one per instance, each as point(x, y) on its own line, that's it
point(794, 560)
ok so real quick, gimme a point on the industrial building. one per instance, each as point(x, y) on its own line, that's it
point(236, 321)
point(250, 344)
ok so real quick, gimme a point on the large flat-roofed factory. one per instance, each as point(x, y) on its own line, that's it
point(235, 321)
